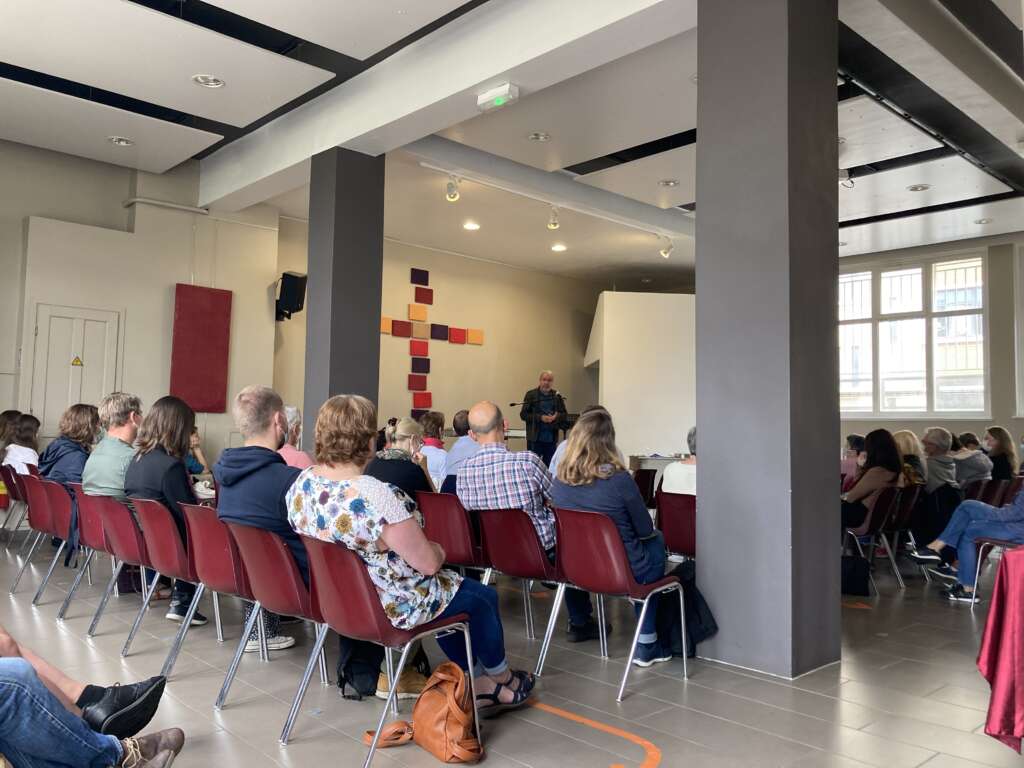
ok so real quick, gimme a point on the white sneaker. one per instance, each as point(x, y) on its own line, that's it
point(276, 643)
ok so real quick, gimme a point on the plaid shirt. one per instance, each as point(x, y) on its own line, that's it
point(494, 478)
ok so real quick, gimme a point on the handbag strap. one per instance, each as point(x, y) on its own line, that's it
point(392, 735)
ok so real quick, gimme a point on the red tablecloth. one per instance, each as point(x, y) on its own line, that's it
point(1001, 658)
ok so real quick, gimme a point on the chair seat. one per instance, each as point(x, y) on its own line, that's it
point(989, 542)
point(396, 638)
point(641, 591)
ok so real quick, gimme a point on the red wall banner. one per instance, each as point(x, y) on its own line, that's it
point(200, 346)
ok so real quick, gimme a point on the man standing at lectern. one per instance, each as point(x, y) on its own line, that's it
point(544, 413)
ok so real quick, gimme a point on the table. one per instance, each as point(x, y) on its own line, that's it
point(1001, 658)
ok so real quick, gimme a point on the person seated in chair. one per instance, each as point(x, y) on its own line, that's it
point(290, 451)
point(433, 446)
point(120, 415)
point(64, 458)
point(23, 444)
point(402, 463)
point(496, 478)
point(463, 447)
point(336, 500)
point(681, 476)
point(972, 465)
point(882, 469)
point(1002, 452)
point(593, 478)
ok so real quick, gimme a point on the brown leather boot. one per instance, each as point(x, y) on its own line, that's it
point(149, 751)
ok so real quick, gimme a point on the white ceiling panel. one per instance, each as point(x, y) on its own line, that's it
point(126, 48)
point(871, 133)
point(357, 28)
point(950, 179)
point(641, 97)
point(640, 178)
point(44, 118)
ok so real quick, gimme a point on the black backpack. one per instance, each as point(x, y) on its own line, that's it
point(359, 666)
point(855, 576)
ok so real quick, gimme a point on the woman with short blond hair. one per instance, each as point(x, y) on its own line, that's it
point(402, 463)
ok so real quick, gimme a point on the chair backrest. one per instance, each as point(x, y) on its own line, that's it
point(591, 554)
point(214, 553)
point(993, 492)
point(343, 594)
point(7, 477)
point(677, 521)
point(271, 570)
point(974, 488)
point(446, 521)
point(880, 508)
point(33, 469)
point(163, 541)
point(121, 532)
point(90, 521)
point(904, 510)
point(511, 545)
point(645, 482)
point(1013, 489)
point(38, 503)
point(60, 509)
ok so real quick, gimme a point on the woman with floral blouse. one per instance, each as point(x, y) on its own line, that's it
point(334, 500)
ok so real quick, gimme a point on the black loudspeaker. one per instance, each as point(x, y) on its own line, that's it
point(292, 296)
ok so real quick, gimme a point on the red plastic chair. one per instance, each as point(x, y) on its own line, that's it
point(33, 470)
point(219, 566)
point(644, 479)
point(993, 492)
point(168, 557)
point(90, 538)
point(125, 543)
point(16, 503)
point(349, 604)
point(677, 521)
point(278, 586)
point(973, 490)
point(60, 526)
point(38, 518)
point(899, 522)
point(591, 556)
point(447, 522)
point(880, 509)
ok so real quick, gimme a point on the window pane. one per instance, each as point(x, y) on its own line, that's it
point(959, 363)
point(901, 365)
point(855, 296)
point(901, 291)
point(855, 362)
point(956, 285)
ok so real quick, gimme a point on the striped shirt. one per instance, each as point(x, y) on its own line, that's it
point(494, 478)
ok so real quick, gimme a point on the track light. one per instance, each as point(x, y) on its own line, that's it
point(667, 250)
point(451, 193)
point(553, 219)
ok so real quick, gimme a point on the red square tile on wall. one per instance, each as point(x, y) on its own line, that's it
point(456, 335)
point(418, 348)
point(417, 382)
point(422, 400)
point(401, 328)
point(424, 295)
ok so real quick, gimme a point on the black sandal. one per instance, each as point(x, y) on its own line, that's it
point(496, 706)
point(526, 679)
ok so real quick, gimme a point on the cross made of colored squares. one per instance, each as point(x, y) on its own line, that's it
point(420, 333)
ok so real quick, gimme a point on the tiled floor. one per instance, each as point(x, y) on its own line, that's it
point(906, 694)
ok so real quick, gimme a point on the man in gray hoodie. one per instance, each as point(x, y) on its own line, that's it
point(941, 466)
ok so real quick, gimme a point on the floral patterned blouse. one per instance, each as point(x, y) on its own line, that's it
point(354, 513)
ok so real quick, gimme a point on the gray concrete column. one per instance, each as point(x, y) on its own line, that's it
point(767, 267)
point(343, 292)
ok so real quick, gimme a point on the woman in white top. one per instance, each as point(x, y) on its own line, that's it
point(23, 448)
point(681, 476)
point(433, 446)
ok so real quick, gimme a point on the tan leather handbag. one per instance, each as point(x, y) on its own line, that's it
point(442, 720)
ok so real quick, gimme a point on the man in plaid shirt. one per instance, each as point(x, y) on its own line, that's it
point(495, 478)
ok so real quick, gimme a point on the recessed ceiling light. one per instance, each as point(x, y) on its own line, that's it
point(120, 141)
point(471, 225)
point(553, 222)
point(559, 247)
point(667, 250)
point(693, 78)
point(919, 187)
point(208, 81)
point(668, 183)
point(451, 190)
point(842, 243)
point(539, 136)
point(985, 220)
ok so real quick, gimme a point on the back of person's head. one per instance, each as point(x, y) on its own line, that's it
point(26, 432)
point(168, 425)
point(1001, 444)
point(293, 415)
point(908, 444)
point(433, 424)
point(460, 423)
point(882, 451)
point(590, 451)
point(954, 441)
point(80, 423)
point(116, 409)
point(969, 440)
point(254, 410)
point(940, 438)
point(7, 421)
point(404, 430)
point(855, 443)
point(346, 425)
point(485, 417)
point(691, 441)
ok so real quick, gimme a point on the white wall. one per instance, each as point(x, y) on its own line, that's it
point(643, 345)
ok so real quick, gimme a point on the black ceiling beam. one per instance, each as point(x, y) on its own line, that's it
point(987, 22)
point(925, 156)
point(956, 204)
point(638, 152)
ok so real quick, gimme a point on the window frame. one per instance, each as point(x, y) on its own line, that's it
point(926, 264)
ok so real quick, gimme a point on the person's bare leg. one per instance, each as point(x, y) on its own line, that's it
point(60, 685)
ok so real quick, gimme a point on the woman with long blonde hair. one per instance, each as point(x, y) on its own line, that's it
point(1002, 452)
point(592, 477)
point(915, 470)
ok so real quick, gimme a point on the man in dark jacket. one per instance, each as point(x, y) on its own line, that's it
point(252, 484)
point(544, 413)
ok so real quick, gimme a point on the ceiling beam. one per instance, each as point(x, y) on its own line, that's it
point(432, 84)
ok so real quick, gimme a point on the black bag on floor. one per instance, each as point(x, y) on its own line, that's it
point(359, 666)
point(700, 623)
point(855, 573)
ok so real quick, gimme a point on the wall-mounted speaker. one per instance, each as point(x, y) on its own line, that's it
point(291, 296)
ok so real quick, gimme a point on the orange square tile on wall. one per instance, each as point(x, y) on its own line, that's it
point(385, 325)
point(474, 336)
point(418, 313)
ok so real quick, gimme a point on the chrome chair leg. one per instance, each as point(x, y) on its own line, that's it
point(632, 648)
point(486, 578)
point(179, 639)
point(549, 633)
point(388, 705)
point(602, 628)
point(25, 541)
point(261, 635)
point(142, 612)
point(528, 609)
point(892, 559)
point(216, 618)
point(924, 571)
point(321, 635)
point(982, 554)
point(682, 621)
point(111, 586)
point(49, 573)
point(24, 565)
point(88, 568)
point(325, 678)
point(472, 682)
point(389, 666)
point(74, 585)
point(229, 678)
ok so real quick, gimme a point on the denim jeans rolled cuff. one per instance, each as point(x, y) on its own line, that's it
point(37, 731)
point(480, 603)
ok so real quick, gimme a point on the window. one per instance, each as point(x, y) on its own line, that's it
point(912, 340)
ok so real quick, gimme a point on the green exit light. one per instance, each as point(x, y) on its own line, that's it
point(499, 101)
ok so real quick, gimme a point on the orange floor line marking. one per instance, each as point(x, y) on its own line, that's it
point(652, 757)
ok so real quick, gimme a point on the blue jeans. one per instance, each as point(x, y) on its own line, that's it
point(652, 571)
point(973, 520)
point(480, 603)
point(36, 731)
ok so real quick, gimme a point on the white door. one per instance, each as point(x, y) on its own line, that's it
point(75, 360)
